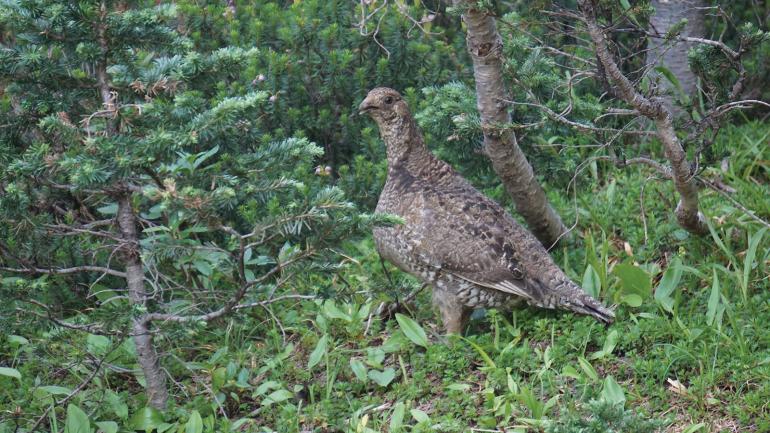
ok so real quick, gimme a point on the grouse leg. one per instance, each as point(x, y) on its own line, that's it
point(454, 314)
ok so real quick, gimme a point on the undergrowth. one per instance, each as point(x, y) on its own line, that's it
point(688, 351)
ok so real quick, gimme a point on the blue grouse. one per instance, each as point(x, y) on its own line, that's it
point(465, 245)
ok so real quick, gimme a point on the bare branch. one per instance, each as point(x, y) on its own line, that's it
point(735, 203)
point(80, 387)
point(687, 212)
point(64, 271)
point(70, 231)
point(232, 303)
point(91, 328)
point(273, 300)
point(658, 167)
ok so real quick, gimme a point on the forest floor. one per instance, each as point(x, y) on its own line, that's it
point(688, 352)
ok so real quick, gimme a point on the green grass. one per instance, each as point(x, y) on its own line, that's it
point(692, 353)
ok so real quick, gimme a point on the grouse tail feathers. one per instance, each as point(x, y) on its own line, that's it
point(578, 301)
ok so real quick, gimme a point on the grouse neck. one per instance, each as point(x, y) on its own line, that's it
point(404, 145)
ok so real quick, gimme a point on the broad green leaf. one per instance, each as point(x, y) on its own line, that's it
point(551, 403)
point(625, 4)
point(55, 390)
point(110, 209)
point(287, 251)
point(18, 340)
point(645, 84)
point(397, 417)
point(588, 369)
point(147, 419)
point(107, 426)
point(77, 421)
point(749, 259)
point(715, 309)
point(668, 283)
point(459, 387)
point(194, 424)
point(363, 312)
point(203, 267)
point(694, 427)
point(264, 387)
point(232, 369)
point(591, 282)
point(375, 356)
point(203, 156)
point(10, 372)
point(118, 406)
point(219, 354)
point(671, 77)
point(236, 426)
point(167, 427)
point(612, 392)
point(218, 378)
point(382, 378)
point(609, 346)
point(632, 300)
point(394, 343)
point(97, 345)
point(570, 371)
point(633, 280)
point(277, 397)
point(610, 342)
point(318, 353)
point(331, 311)
point(359, 369)
point(412, 330)
point(419, 415)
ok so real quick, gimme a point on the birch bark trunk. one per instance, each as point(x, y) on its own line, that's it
point(501, 147)
point(674, 57)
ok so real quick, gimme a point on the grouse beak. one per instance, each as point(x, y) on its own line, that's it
point(365, 106)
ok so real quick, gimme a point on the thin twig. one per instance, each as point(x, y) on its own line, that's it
point(735, 203)
point(64, 271)
point(79, 388)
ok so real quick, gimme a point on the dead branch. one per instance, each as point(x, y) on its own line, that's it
point(687, 211)
point(234, 301)
point(64, 271)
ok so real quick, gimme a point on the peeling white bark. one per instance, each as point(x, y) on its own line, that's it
point(674, 57)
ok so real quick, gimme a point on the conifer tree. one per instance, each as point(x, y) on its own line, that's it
point(139, 181)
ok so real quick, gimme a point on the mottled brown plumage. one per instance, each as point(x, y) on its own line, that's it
point(465, 245)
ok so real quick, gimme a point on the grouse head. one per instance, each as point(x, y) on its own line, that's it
point(385, 106)
point(403, 140)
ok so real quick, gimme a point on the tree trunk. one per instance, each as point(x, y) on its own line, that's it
point(500, 145)
point(155, 380)
point(661, 52)
point(687, 210)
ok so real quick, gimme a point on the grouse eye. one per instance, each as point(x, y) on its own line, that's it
point(388, 100)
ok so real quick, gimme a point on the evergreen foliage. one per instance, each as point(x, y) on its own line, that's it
point(217, 120)
point(108, 100)
point(318, 67)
